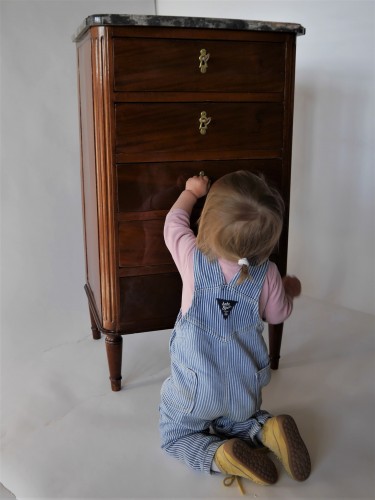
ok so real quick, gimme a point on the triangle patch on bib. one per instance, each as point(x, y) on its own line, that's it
point(226, 306)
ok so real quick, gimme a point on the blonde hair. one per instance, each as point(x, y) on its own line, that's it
point(242, 218)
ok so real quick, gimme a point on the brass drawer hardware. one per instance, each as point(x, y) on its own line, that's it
point(203, 60)
point(204, 121)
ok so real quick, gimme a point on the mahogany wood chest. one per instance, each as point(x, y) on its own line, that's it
point(161, 99)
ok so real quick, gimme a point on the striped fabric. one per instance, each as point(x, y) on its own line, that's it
point(219, 364)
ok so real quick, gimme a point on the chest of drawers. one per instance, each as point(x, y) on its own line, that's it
point(160, 99)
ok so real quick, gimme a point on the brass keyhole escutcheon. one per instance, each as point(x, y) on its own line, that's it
point(204, 121)
point(203, 60)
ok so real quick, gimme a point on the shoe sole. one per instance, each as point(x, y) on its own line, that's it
point(249, 462)
point(294, 455)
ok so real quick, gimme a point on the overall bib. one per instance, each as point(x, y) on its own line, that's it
point(219, 364)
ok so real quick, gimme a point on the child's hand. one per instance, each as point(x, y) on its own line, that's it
point(198, 185)
point(292, 286)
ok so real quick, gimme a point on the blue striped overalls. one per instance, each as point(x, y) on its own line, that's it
point(219, 364)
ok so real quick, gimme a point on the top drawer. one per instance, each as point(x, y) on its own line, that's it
point(143, 64)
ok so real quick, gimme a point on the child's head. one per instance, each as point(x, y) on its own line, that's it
point(242, 218)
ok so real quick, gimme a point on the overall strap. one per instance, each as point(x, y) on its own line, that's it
point(206, 273)
point(209, 274)
point(252, 286)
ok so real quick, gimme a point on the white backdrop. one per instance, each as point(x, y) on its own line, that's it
point(332, 205)
point(43, 272)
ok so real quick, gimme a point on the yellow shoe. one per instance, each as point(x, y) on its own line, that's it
point(281, 436)
point(235, 457)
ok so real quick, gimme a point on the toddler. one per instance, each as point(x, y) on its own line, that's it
point(210, 409)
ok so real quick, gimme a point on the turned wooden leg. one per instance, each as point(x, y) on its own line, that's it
point(275, 334)
point(114, 353)
point(95, 331)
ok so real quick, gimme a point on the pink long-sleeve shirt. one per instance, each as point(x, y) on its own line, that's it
point(275, 306)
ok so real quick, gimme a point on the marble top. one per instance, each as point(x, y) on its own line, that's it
point(185, 22)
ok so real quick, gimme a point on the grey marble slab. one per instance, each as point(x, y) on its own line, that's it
point(185, 22)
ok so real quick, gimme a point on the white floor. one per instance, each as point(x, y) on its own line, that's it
point(66, 435)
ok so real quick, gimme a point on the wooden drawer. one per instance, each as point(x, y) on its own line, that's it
point(155, 186)
point(146, 192)
point(173, 65)
point(151, 131)
point(149, 302)
point(141, 243)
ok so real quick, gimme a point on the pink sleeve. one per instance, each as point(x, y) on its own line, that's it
point(274, 305)
point(180, 241)
point(179, 238)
